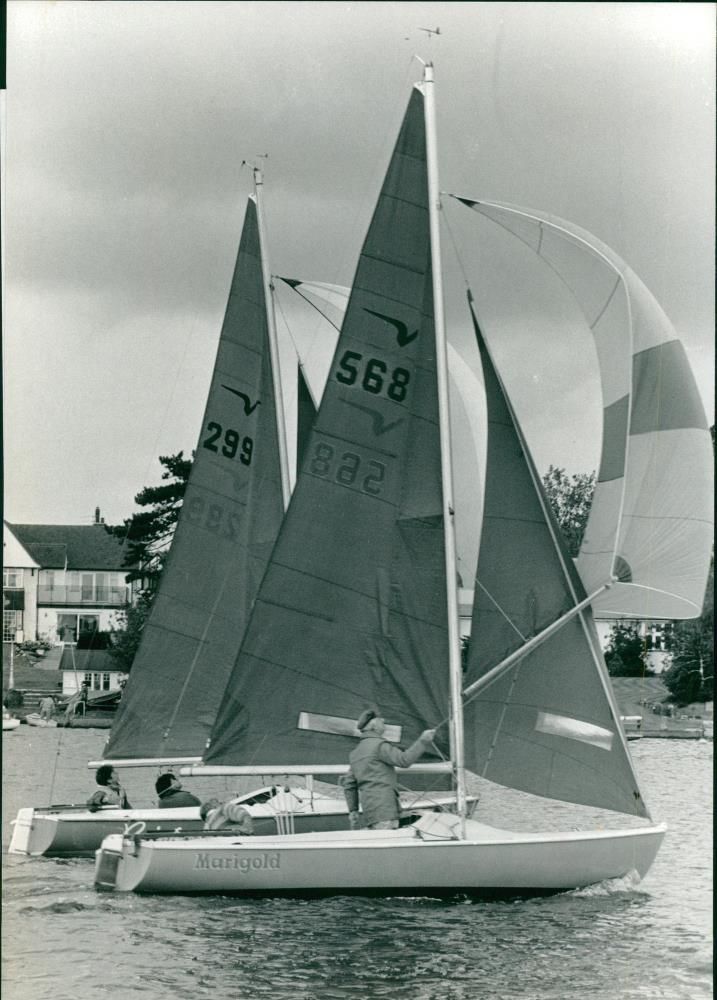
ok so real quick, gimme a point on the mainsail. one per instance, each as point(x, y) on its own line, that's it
point(227, 526)
point(651, 520)
point(352, 609)
point(548, 725)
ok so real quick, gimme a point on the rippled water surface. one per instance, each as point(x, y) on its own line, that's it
point(63, 940)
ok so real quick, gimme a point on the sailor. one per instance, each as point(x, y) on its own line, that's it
point(47, 707)
point(372, 773)
point(217, 815)
point(110, 792)
point(171, 794)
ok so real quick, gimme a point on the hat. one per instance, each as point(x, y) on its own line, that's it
point(365, 718)
point(164, 782)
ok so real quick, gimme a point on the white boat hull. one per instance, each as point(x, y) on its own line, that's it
point(424, 858)
point(9, 723)
point(33, 719)
point(64, 831)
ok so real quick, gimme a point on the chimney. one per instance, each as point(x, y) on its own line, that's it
point(98, 519)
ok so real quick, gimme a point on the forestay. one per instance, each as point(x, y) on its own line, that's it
point(549, 724)
point(651, 519)
point(226, 529)
point(352, 609)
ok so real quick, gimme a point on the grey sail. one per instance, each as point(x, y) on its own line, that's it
point(550, 725)
point(226, 529)
point(352, 609)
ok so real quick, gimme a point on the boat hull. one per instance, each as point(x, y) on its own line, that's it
point(425, 858)
point(33, 719)
point(77, 832)
point(10, 724)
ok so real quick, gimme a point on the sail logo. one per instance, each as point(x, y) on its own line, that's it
point(377, 422)
point(203, 861)
point(403, 337)
point(249, 407)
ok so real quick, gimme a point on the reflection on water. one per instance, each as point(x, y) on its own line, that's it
point(63, 940)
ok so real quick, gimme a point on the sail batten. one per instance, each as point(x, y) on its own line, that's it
point(227, 525)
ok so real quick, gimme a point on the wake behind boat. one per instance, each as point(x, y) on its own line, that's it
point(359, 605)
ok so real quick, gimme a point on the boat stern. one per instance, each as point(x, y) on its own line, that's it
point(120, 862)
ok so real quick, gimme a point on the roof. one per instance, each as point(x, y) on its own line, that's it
point(71, 546)
point(88, 660)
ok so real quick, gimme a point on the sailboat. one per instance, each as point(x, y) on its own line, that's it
point(227, 525)
point(358, 607)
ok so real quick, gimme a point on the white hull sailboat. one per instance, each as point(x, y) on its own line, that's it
point(232, 508)
point(74, 831)
point(358, 604)
point(430, 857)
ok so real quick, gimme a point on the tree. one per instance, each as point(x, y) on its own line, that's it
point(126, 635)
point(691, 676)
point(625, 653)
point(571, 498)
point(148, 534)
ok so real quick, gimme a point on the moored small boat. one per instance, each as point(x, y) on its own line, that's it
point(35, 719)
point(9, 722)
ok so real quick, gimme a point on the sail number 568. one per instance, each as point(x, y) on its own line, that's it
point(347, 469)
point(374, 376)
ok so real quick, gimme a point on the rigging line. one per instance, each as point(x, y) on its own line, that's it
point(454, 244)
point(512, 624)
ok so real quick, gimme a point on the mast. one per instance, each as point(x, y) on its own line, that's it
point(273, 341)
point(454, 649)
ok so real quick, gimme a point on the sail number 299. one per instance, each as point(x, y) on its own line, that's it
point(229, 442)
point(374, 374)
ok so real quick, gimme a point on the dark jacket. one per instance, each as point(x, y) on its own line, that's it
point(372, 775)
point(175, 798)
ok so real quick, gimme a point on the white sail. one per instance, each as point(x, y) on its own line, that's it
point(651, 520)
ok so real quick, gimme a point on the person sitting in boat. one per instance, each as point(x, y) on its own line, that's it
point(171, 794)
point(217, 815)
point(372, 773)
point(110, 792)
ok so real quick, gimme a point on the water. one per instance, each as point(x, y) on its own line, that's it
point(62, 940)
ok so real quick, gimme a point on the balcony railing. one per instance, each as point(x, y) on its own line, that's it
point(115, 596)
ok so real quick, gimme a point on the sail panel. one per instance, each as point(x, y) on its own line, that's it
point(352, 609)
point(525, 581)
point(648, 391)
point(226, 528)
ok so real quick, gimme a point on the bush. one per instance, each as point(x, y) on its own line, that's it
point(13, 699)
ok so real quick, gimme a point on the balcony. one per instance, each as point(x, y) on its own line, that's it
point(114, 597)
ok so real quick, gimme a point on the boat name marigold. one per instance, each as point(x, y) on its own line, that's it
point(272, 861)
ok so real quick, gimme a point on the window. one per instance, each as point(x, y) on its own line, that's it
point(11, 624)
point(12, 577)
point(105, 682)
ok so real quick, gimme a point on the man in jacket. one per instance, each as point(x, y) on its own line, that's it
point(110, 792)
point(372, 773)
point(171, 794)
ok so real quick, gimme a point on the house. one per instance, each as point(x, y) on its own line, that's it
point(61, 582)
point(95, 667)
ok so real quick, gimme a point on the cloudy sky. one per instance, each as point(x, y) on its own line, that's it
point(125, 125)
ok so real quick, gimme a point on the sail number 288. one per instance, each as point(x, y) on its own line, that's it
point(374, 374)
